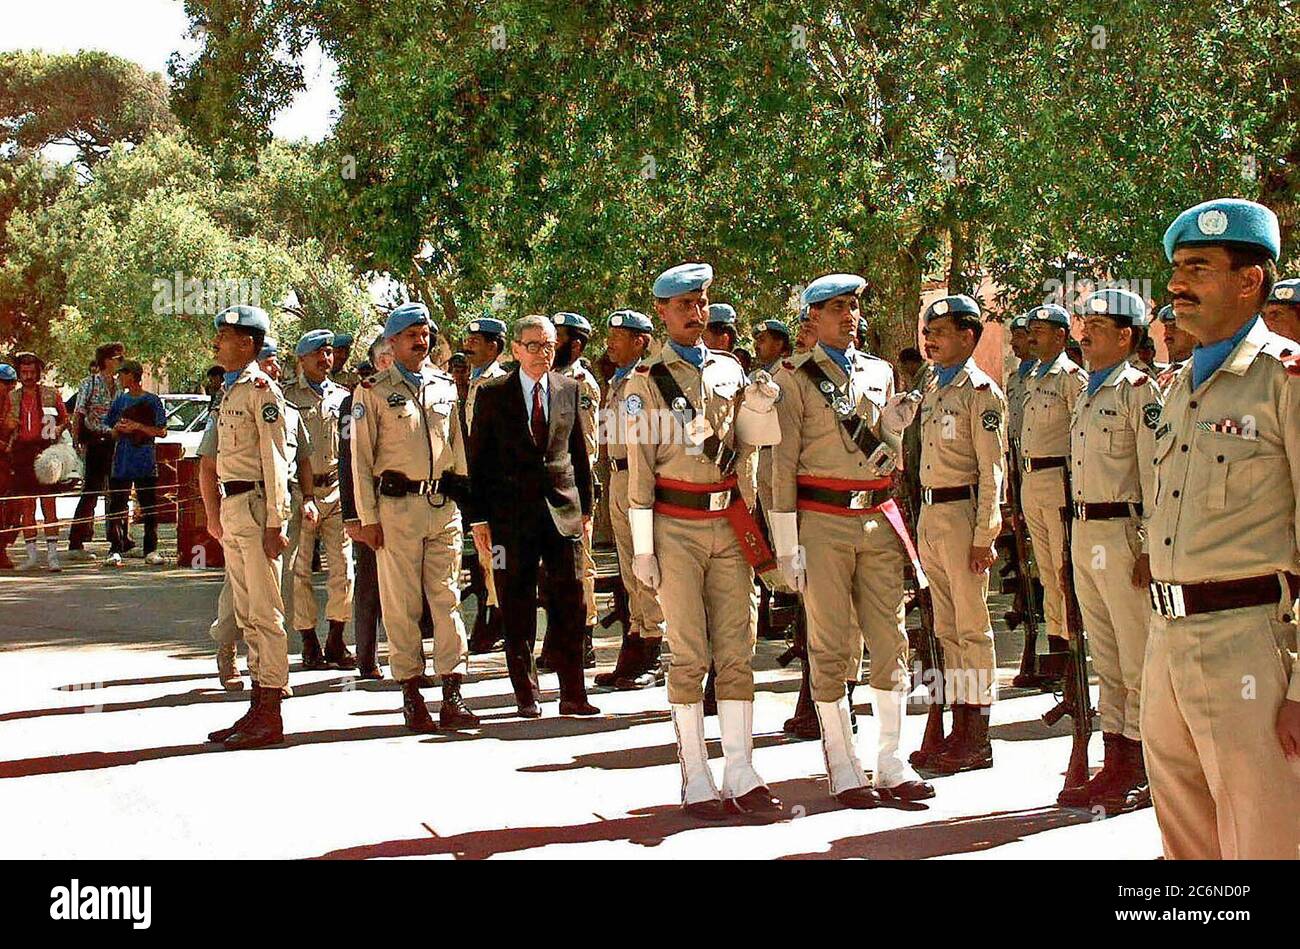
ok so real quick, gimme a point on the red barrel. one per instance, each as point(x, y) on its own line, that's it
point(195, 547)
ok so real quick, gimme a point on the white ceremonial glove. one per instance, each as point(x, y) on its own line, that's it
point(645, 565)
point(899, 412)
point(789, 555)
point(756, 420)
point(761, 393)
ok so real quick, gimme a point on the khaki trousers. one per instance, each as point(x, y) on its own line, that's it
point(421, 558)
point(710, 606)
point(960, 599)
point(255, 588)
point(1042, 495)
point(1116, 616)
point(1211, 688)
point(337, 548)
point(855, 567)
point(647, 619)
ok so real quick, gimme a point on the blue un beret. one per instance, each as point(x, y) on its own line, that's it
point(630, 320)
point(1124, 305)
point(343, 341)
point(487, 326)
point(249, 317)
point(1165, 313)
point(772, 326)
point(1286, 291)
point(269, 348)
point(574, 321)
point(406, 316)
point(723, 313)
point(7, 373)
point(1223, 220)
point(684, 278)
point(1049, 313)
point(313, 340)
point(951, 306)
point(833, 285)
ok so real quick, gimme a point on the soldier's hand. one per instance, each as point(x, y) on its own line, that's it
point(353, 530)
point(1142, 571)
point(793, 572)
point(274, 543)
point(1288, 729)
point(372, 535)
point(214, 523)
point(483, 544)
point(646, 569)
point(310, 513)
point(981, 558)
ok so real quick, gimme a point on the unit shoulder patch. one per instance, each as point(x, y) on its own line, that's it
point(991, 420)
point(1151, 415)
point(270, 412)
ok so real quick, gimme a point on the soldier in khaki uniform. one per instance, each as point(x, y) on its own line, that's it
point(572, 331)
point(1220, 686)
point(1178, 344)
point(342, 376)
point(1282, 312)
point(963, 439)
point(1022, 347)
point(832, 475)
point(637, 667)
point(690, 493)
point(253, 470)
point(1052, 390)
point(1112, 442)
point(408, 464)
point(318, 400)
point(485, 339)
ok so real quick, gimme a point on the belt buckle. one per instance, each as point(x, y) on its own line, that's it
point(1167, 599)
point(859, 500)
point(1026, 463)
point(719, 500)
point(927, 495)
point(1080, 511)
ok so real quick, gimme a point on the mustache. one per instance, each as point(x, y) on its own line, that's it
point(1190, 298)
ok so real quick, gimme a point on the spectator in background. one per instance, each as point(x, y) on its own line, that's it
point(458, 366)
point(8, 515)
point(910, 363)
point(39, 418)
point(212, 383)
point(94, 437)
point(1074, 351)
point(136, 418)
point(1146, 356)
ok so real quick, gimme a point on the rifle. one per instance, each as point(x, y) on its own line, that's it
point(929, 650)
point(1076, 702)
point(1029, 675)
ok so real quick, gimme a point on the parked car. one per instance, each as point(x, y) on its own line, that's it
point(187, 415)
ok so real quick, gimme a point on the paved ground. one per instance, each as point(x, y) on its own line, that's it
point(108, 689)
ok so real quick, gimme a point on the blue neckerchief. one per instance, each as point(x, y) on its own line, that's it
point(945, 374)
point(412, 377)
point(230, 377)
point(317, 387)
point(1206, 359)
point(475, 373)
point(1025, 365)
point(622, 372)
point(1044, 366)
point(692, 354)
point(839, 356)
point(1097, 376)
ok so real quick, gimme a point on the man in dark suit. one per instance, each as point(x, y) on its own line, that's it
point(530, 495)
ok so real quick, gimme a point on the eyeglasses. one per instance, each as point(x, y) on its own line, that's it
point(537, 349)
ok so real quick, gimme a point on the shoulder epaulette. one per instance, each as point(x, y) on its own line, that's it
point(261, 382)
point(642, 368)
point(1292, 364)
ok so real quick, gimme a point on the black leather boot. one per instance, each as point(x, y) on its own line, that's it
point(588, 650)
point(972, 750)
point(414, 711)
point(221, 734)
point(454, 713)
point(1100, 782)
point(336, 650)
point(312, 657)
point(711, 692)
point(646, 673)
point(264, 727)
point(804, 724)
point(1130, 790)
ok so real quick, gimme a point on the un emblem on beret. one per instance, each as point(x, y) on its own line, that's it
point(1151, 415)
point(1212, 223)
point(270, 412)
point(232, 317)
point(473, 327)
point(632, 405)
point(990, 420)
point(940, 308)
point(1284, 293)
point(1099, 304)
point(616, 321)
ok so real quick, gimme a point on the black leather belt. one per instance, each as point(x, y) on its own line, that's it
point(698, 501)
point(1176, 600)
point(1107, 510)
point(1041, 464)
point(324, 480)
point(394, 484)
point(848, 500)
point(945, 495)
point(618, 464)
point(231, 489)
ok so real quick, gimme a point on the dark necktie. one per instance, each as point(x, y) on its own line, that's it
point(537, 423)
